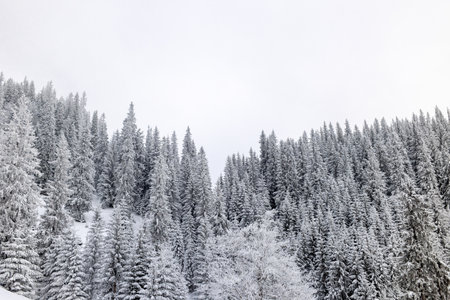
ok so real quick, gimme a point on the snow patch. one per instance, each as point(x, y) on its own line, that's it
point(81, 229)
point(7, 295)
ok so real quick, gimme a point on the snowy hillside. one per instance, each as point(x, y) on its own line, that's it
point(81, 229)
point(341, 213)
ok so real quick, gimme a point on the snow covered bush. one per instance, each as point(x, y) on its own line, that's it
point(252, 263)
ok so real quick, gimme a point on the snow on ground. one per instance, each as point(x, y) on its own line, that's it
point(81, 229)
point(6, 295)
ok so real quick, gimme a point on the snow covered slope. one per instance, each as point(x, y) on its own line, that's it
point(6, 295)
point(81, 229)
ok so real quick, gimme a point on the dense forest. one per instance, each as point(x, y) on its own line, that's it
point(340, 213)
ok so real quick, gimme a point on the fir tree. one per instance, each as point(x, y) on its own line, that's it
point(166, 279)
point(116, 255)
point(107, 182)
point(423, 274)
point(55, 218)
point(219, 219)
point(100, 147)
point(46, 131)
point(92, 256)
point(160, 216)
point(73, 283)
point(19, 193)
point(126, 169)
point(82, 183)
point(19, 266)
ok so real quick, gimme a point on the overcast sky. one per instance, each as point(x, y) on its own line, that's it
point(230, 69)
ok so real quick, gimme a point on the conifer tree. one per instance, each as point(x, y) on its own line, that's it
point(55, 218)
point(100, 147)
point(126, 169)
point(19, 193)
point(92, 256)
point(143, 264)
point(423, 274)
point(82, 184)
point(116, 255)
point(188, 197)
point(19, 264)
point(62, 268)
point(161, 225)
point(46, 131)
point(107, 182)
point(219, 219)
point(73, 284)
point(166, 279)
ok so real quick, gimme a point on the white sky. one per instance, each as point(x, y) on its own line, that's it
point(229, 69)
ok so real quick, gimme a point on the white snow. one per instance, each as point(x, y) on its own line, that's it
point(6, 295)
point(81, 229)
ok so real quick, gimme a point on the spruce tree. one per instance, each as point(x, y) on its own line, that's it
point(126, 169)
point(166, 279)
point(92, 258)
point(82, 183)
point(106, 186)
point(19, 263)
point(73, 284)
point(219, 222)
point(55, 218)
point(188, 197)
point(143, 263)
point(100, 147)
point(423, 275)
point(116, 255)
point(161, 225)
point(19, 196)
point(46, 131)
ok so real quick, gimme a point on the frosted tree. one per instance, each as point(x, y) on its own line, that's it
point(73, 284)
point(19, 194)
point(203, 215)
point(55, 218)
point(100, 147)
point(92, 258)
point(188, 200)
point(287, 179)
point(116, 255)
point(423, 274)
point(287, 213)
point(219, 222)
point(204, 195)
point(143, 262)
point(165, 279)
point(338, 278)
point(160, 216)
point(246, 206)
point(62, 268)
point(148, 166)
point(427, 183)
point(174, 182)
point(73, 121)
point(251, 264)
point(126, 169)
point(46, 131)
point(12, 92)
point(373, 179)
point(82, 183)
point(139, 150)
point(19, 264)
point(106, 186)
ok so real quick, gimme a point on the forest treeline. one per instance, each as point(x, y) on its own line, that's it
point(340, 213)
